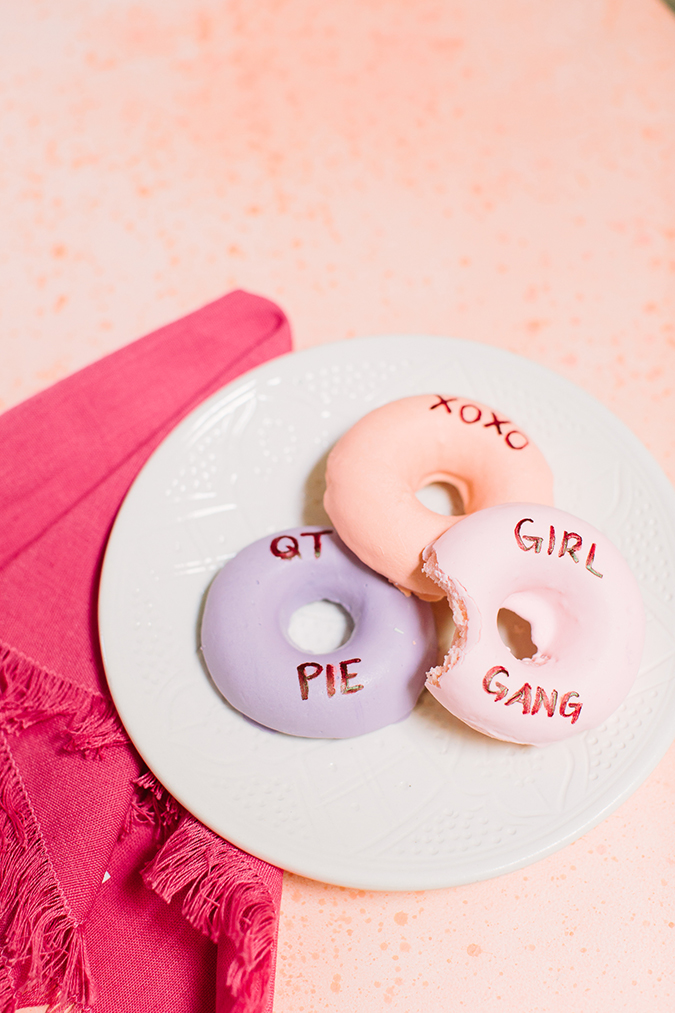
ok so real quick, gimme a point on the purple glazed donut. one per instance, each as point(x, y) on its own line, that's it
point(371, 681)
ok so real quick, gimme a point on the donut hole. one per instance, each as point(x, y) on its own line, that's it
point(320, 627)
point(443, 498)
point(516, 633)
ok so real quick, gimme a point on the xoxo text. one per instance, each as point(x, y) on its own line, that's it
point(470, 414)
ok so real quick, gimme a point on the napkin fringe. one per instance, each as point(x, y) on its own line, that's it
point(30, 693)
point(224, 898)
point(8, 1002)
point(152, 804)
point(42, 941)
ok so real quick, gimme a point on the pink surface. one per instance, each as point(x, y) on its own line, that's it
point(500, 172)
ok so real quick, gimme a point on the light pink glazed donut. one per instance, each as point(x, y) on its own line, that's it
point(584, 606)
point(375, 469)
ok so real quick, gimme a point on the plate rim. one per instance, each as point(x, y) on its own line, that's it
point(585, 821)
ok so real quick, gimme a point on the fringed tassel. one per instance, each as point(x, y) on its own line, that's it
point(152, 804)
point(223, 897)
point(30, 693)
point(8, 1001)
point(43, 943)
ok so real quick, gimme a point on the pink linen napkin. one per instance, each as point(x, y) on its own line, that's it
point(111, 895)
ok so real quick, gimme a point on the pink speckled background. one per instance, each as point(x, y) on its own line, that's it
point(496, 171)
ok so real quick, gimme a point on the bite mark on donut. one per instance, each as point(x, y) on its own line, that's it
point(460, 615)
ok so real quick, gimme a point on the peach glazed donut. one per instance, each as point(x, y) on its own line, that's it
point(375, 469)
point(582, 602)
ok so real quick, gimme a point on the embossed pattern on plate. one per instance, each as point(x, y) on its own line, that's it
point(426, 803)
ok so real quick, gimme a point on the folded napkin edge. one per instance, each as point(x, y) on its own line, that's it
point(30, 693)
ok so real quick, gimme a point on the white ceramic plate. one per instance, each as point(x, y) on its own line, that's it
point(425, 803)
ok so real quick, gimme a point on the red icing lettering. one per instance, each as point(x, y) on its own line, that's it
point(514, 434)
point(522, 696)
point(575, 708)
point(305, 675)
point(501, 690)
point(471, 413)
point(569, 545)
point(286, 553)
point(316, 535)
point(498, 423)
point(551, 540)
point(571, 549)
point(541, 697)
point(475, 409)
point(534, 540)
point(589, 560)
point(345, 675)
point(304, 678)
point(443, 401)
